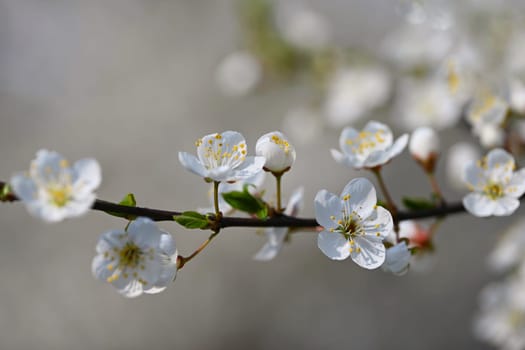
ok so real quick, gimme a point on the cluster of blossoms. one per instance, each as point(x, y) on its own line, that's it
point(143, 259)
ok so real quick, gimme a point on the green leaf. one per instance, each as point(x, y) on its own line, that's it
point(5, 192)
point(246, 202)
point(415, 204)
point(382, 203)
point(192, 220)
point(128, 201)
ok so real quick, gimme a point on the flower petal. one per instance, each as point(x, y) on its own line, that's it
point(377, 127)
point(362, 196)
point(47, 166)
point(474, 177)
point(500, 164)
point(295, 203)
point(191, 163)
point(249, 168)
point(274, 244)
point(379, 222)
point(327, 205)
point(86, 177)
point(398, 146)
point(478, 204)
point(348, 134)
point(506, 206)
point(333, 245)
point(397, 259)
point(145, 233)
point(368, 253)
point(516, 186)
point(24, 187)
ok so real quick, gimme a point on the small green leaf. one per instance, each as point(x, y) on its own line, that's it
point(246, 202)
point(192, 220)
point(382, 203)
point(128, 201)
point(5, 192)
point(412, 203)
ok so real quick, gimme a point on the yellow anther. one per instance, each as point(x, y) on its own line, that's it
point(332, 217)
point(358, 250)
point(378, 234)
point(218, 136)
point(346, 197)
point(110, 267)
point(64, 163)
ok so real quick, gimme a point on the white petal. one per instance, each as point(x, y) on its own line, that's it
point(516, 186)
point(295, 203)
point(191, 163)
point(326, 205)
point(86, 176)
point(45, 211)
point(167, 245)
point(47, 166)
point(372, 254)
point(24, 187)
point(129, 288)
point(375, 126)
point(397, 259)
point(333, 245)
point(145, 233)
point(111, 239)
point(362, 196)
point(506, 206)
point(167, 275)
point(380, 221)
point(500, 164)
point(340, 158)
point(274, 244)
point(474, 176)
point(478, 204)
point(348, 133)
point(398, 146)
point(99, 268)
point(80, 206)
point(249, 168)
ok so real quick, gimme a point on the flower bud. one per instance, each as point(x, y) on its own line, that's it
point(279, 153)
point(424, 147)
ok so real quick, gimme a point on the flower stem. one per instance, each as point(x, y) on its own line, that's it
point(436, 189)
point(183, 260)
point(278, 184)
point(216, 198)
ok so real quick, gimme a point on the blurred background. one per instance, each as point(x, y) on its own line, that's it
point(132, 82)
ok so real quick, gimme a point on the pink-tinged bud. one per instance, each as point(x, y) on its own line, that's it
point(424, 147)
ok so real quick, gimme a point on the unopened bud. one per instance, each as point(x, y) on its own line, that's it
point(279, 153)
point(424, 147)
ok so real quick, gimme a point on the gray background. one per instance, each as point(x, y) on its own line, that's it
point(129, 82)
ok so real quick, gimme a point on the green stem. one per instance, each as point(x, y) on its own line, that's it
point(216, 197)
point(435, 188)
point(183, 260)
point(278, 184)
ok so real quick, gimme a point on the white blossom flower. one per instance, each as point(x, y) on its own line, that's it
point(427, 103)
point(238, 74)
point(304, 27)
point(496, 187)
point(254, 182)
point(279, 153)
point(458, 157)
point(353, 224)
point(487, 109)
point(397, 259)
point(368, 148)
point(490, 135)
point(142, 259)
point(277, 235)
point(501, 320)
point(53, 190)
point(510, 249)
point(354, 92)
point(424, 144)
point(222, 157)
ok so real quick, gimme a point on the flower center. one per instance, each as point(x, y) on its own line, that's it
point(214, 152)
point(367, 142)
point(59, 195)
point(493, 190)
point(130, 255)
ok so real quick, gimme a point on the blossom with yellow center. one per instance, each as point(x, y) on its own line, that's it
point(142, 259)
point(353, 224)
point(495, 187)
point(368, 148)
point(53, 190)
point(222, 157)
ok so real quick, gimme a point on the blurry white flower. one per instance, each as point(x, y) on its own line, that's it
point(501, 321)
point(424, 146)
point(304, 28)
point(510, 249)
point(490, 135)
point(496, 187)
point(222, 157)
point(353, 224)
point(458, 157)
point(302, 124)
point(414, 46)
point(238, 74)
point(434, 14)
point(277, 235)
point(254, 182)
point(427, 103)
point(397, 259)
point(53, 190)
point(486, 109)
point(278, 152)
point(142, 259)
point(368, 148)
point(354, 92)
point(517, 96)
point(419, 237)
